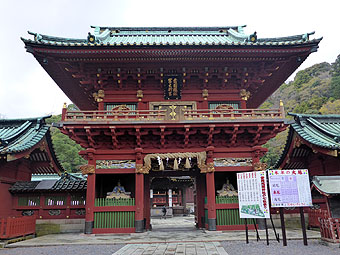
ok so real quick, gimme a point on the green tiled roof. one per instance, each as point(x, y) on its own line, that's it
point(320, 130)
point(164, 36)
point(329, 185)
point(17, 135)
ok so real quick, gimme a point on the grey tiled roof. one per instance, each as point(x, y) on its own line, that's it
point(330, 185)
point(59, 186)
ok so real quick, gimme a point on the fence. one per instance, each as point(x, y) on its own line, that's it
point(15, 227)
point(114, 219)
point(229, 216)
point(114, 215)
point(330, 229)
point(314, 215)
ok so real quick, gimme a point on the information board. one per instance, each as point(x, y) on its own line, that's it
point(253, 195)
point(289, 188)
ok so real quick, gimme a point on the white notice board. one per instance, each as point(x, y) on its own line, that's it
point(252, 194)
point(289, 188)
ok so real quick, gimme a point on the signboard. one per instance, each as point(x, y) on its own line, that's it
point(170, 197)
point(252, 195)
point(172, 87)
point(289, 188)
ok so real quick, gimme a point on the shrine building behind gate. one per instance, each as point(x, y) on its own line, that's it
point(164, 102)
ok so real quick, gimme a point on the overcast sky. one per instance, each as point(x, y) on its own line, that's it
point(26, 90)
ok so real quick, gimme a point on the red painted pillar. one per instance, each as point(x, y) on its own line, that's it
point(90, 197)
point(42, 205)
point(139, 192)
point(139, 198)
point(210, 180)
point(68, 204)
point(90, 191)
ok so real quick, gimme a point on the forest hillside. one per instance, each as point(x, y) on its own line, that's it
point(314, 90)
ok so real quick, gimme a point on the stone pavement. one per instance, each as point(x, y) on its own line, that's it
point(171, 230)
point(199, 248)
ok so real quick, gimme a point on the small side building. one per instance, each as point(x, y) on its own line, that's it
point(25, 149)
point(313, 143)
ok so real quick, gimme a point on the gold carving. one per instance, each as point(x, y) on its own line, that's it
point(259, 166)
point(99, 96)
point(220, 162)
point(245, 95)
point(173, 113)
point(298, 142)
point(205, 94)
point(209, 168)
point(201, 158)
point(87, 169)
point(42, 146)
point(140, 169)
point(140, 94)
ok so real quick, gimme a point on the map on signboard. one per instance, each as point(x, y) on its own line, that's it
point(290, 188)
point(253, 195)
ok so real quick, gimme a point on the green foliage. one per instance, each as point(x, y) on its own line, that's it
point(311, 106)
point(331, 107)
point(66, 149)
point(314, 90)
point(275, 147)
point(306, 75)
point(336, 67)
point(335, 87)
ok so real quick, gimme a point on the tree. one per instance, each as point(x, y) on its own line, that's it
point(331, 107)
point(336, 67)
point(67, 150)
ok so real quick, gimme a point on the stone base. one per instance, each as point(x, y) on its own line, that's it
point(212, 224)
point(88, 227)
point(56, 226)
point(139, 224)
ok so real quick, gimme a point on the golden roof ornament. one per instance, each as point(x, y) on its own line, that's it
point(244, 94)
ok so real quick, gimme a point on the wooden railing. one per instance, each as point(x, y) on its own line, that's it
point(330, 229)
point(160, 115)
point(234, 114)
point(15, 227)
point(122, 115)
